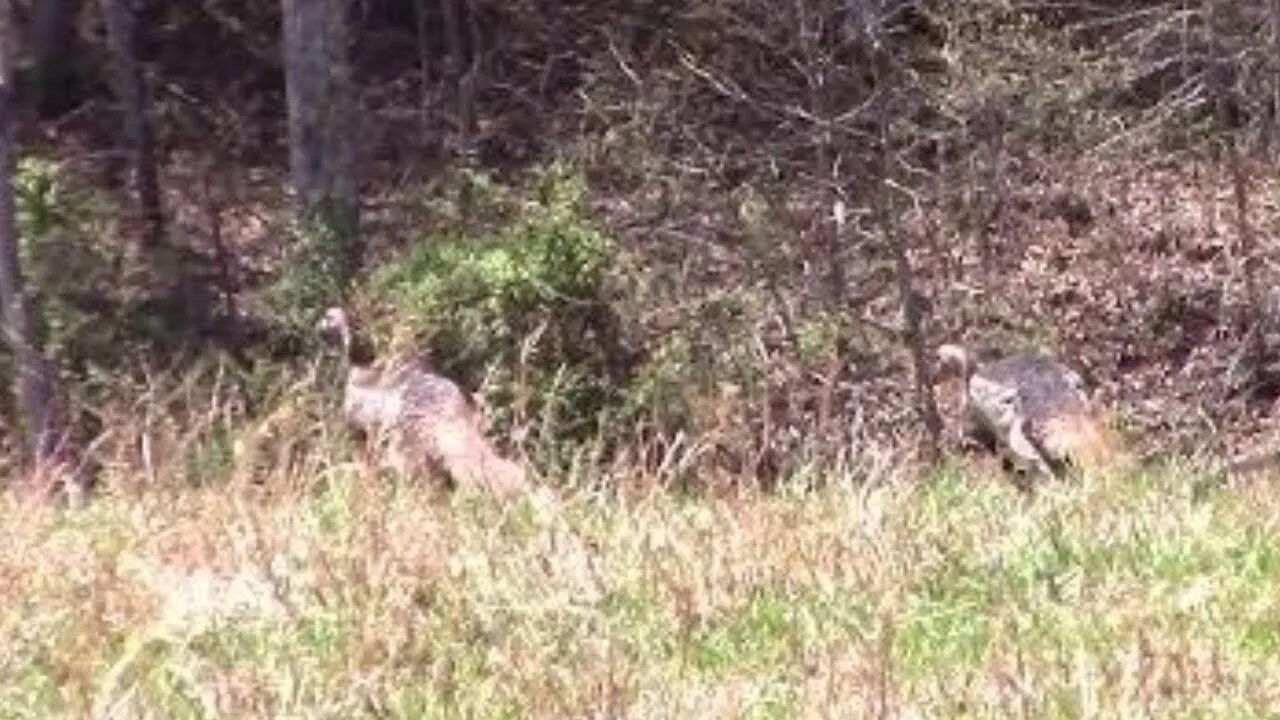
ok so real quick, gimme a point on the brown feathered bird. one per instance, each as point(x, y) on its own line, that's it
point(1032, 408)
point(426, 419)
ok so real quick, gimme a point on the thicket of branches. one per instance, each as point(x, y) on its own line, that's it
point(789, 203)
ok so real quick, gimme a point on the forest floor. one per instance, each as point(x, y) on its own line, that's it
point(1150, 595)
point(1151, 274)
point(1136, 272)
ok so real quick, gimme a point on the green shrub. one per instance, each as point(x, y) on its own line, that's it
point(524, 311)
point(69, 274)
point(694, 364)
point(324, 260)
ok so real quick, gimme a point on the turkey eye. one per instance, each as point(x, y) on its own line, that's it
point(1008, 399)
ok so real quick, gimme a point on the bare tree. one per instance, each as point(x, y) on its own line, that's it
point(322, 132)
point(914, 315)
point(33, 381)
point(130, 87)
point(460, 67)
point(794, 92)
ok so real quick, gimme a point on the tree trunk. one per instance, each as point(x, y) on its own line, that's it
point(323, 134)
point(913, 304)
point(33, 381)
point(829, 224)
point(460, 70)
point(52, 32)
point(1272, 133)
point(130, 88)
point(914, 313)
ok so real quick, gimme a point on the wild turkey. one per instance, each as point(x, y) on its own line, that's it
point(424, 418)
point(1031, 407)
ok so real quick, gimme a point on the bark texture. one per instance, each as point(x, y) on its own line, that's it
point(130, 87)
point(33, 384)
point(323, 133)
point(52, 69)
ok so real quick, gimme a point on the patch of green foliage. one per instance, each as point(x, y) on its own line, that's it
point(523, 311)
point(69, 275)
point(98, 303)
point(706, 360)
point(324, 261)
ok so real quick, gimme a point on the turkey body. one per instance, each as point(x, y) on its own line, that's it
point(422, 420)
point(1035, 410)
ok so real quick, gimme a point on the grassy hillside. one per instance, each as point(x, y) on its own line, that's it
point(692, 258)
point(1143, 596)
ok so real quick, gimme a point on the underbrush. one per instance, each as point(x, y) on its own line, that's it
point(327, 592)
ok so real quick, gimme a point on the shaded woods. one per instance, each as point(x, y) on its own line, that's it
point(711, 240)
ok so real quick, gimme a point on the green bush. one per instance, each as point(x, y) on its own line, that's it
point(524, 311)
point(693, 364)
point(68, 274)
point(322, 266)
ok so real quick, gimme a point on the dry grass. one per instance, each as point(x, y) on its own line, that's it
point(350, 596)
point(244, 568)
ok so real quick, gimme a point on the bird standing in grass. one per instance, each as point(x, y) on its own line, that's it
point(425, 420)
point(1031, 408)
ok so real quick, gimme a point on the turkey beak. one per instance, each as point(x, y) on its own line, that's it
point(330, 329)
point(325, 329)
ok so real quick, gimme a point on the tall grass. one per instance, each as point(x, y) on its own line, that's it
point(301, 583)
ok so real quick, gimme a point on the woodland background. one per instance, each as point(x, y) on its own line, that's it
point(724, 234)
point(695, 257)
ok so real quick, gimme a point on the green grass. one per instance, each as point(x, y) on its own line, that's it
point(1133, 597)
